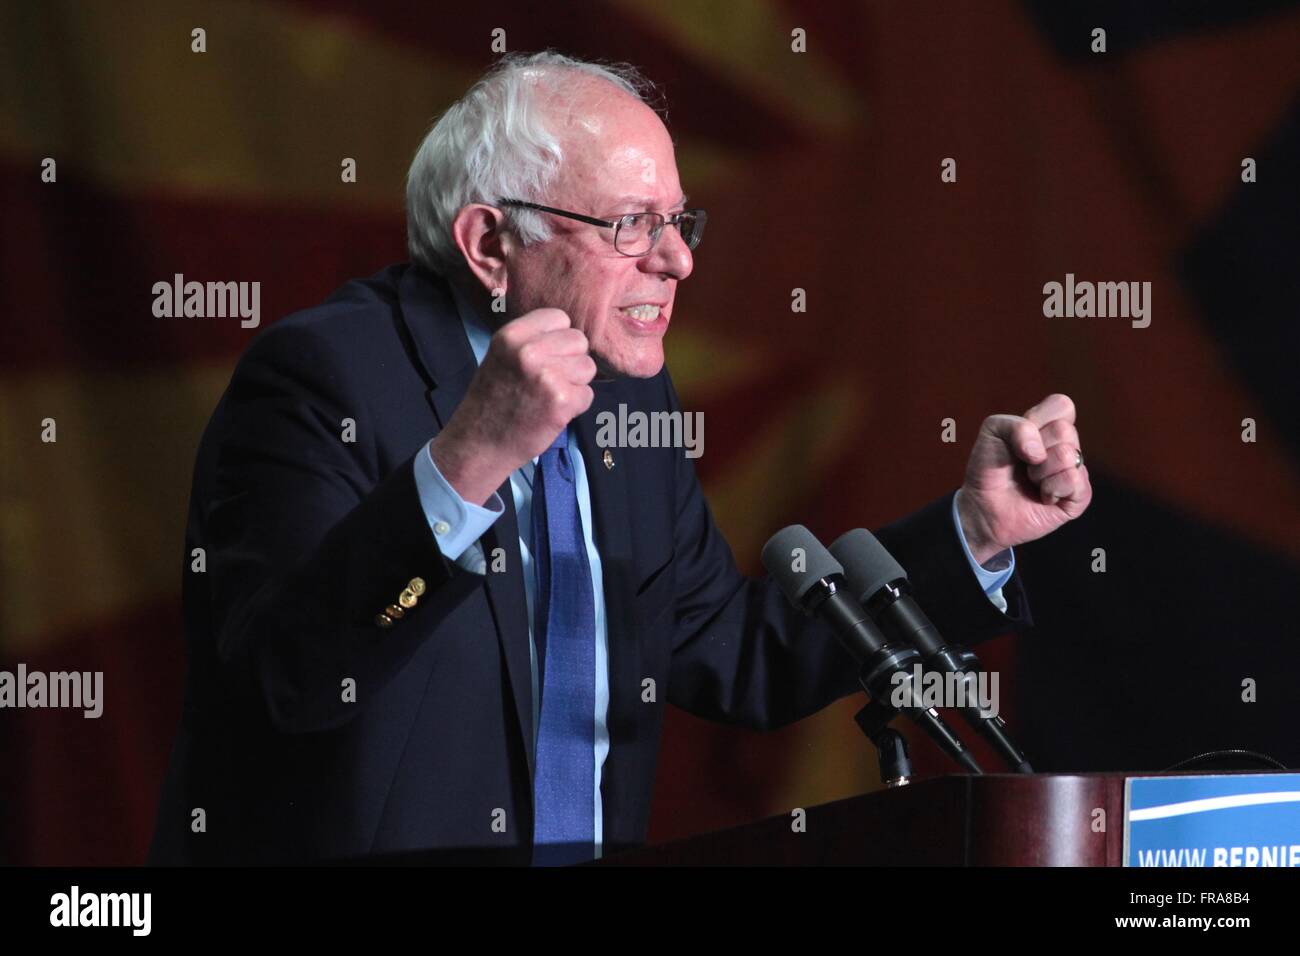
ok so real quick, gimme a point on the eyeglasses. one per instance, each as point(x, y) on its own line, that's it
point(636, 233)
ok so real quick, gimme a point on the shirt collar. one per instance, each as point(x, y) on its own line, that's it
point(480, 336)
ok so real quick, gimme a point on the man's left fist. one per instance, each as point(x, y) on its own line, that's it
point(1025, 478)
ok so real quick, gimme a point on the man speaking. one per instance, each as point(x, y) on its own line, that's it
point(433, 612)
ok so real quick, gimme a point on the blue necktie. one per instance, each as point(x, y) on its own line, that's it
point(565, 635)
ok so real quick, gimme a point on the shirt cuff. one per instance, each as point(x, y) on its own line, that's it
point(456, 524)
point(998, 570)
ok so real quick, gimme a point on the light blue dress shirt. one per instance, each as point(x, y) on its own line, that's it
point(992, 579)
point(457, 526)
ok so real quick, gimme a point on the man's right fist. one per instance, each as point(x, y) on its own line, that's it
point(534, 380)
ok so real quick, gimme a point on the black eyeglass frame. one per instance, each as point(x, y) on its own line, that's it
point(701, 220)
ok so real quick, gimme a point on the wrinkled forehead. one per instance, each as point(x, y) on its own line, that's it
point(614, 146)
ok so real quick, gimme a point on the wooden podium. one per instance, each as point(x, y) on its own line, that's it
point(1008, 819)
point(989, 820)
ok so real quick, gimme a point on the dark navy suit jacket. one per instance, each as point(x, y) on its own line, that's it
point(307, 537)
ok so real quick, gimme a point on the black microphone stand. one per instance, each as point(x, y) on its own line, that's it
point(891, 746)
point(880, 662)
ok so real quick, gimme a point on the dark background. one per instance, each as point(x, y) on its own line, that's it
point(820, 171)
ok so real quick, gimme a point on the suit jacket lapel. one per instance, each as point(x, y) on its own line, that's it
point(437, 339)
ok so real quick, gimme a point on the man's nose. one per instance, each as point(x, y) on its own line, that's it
point(670, 255)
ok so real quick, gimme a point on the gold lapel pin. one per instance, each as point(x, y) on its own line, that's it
point(609, 459)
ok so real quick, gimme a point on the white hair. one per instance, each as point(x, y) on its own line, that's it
point(494, 143)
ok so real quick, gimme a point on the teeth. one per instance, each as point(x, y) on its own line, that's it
point(643, 312)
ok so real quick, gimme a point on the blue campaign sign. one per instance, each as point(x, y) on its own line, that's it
point(1222, 820)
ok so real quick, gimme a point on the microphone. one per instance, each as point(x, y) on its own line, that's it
point(813, 581)
point(881, 585)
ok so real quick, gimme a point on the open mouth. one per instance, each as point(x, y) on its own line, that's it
point(644, 317)
point(642, 313)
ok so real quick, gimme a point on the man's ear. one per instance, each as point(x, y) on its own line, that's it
point(479, 232)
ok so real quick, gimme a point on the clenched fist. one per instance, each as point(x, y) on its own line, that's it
point(534, 380)
point(1025, 478)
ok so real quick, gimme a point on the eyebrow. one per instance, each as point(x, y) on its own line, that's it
point(646, 201)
